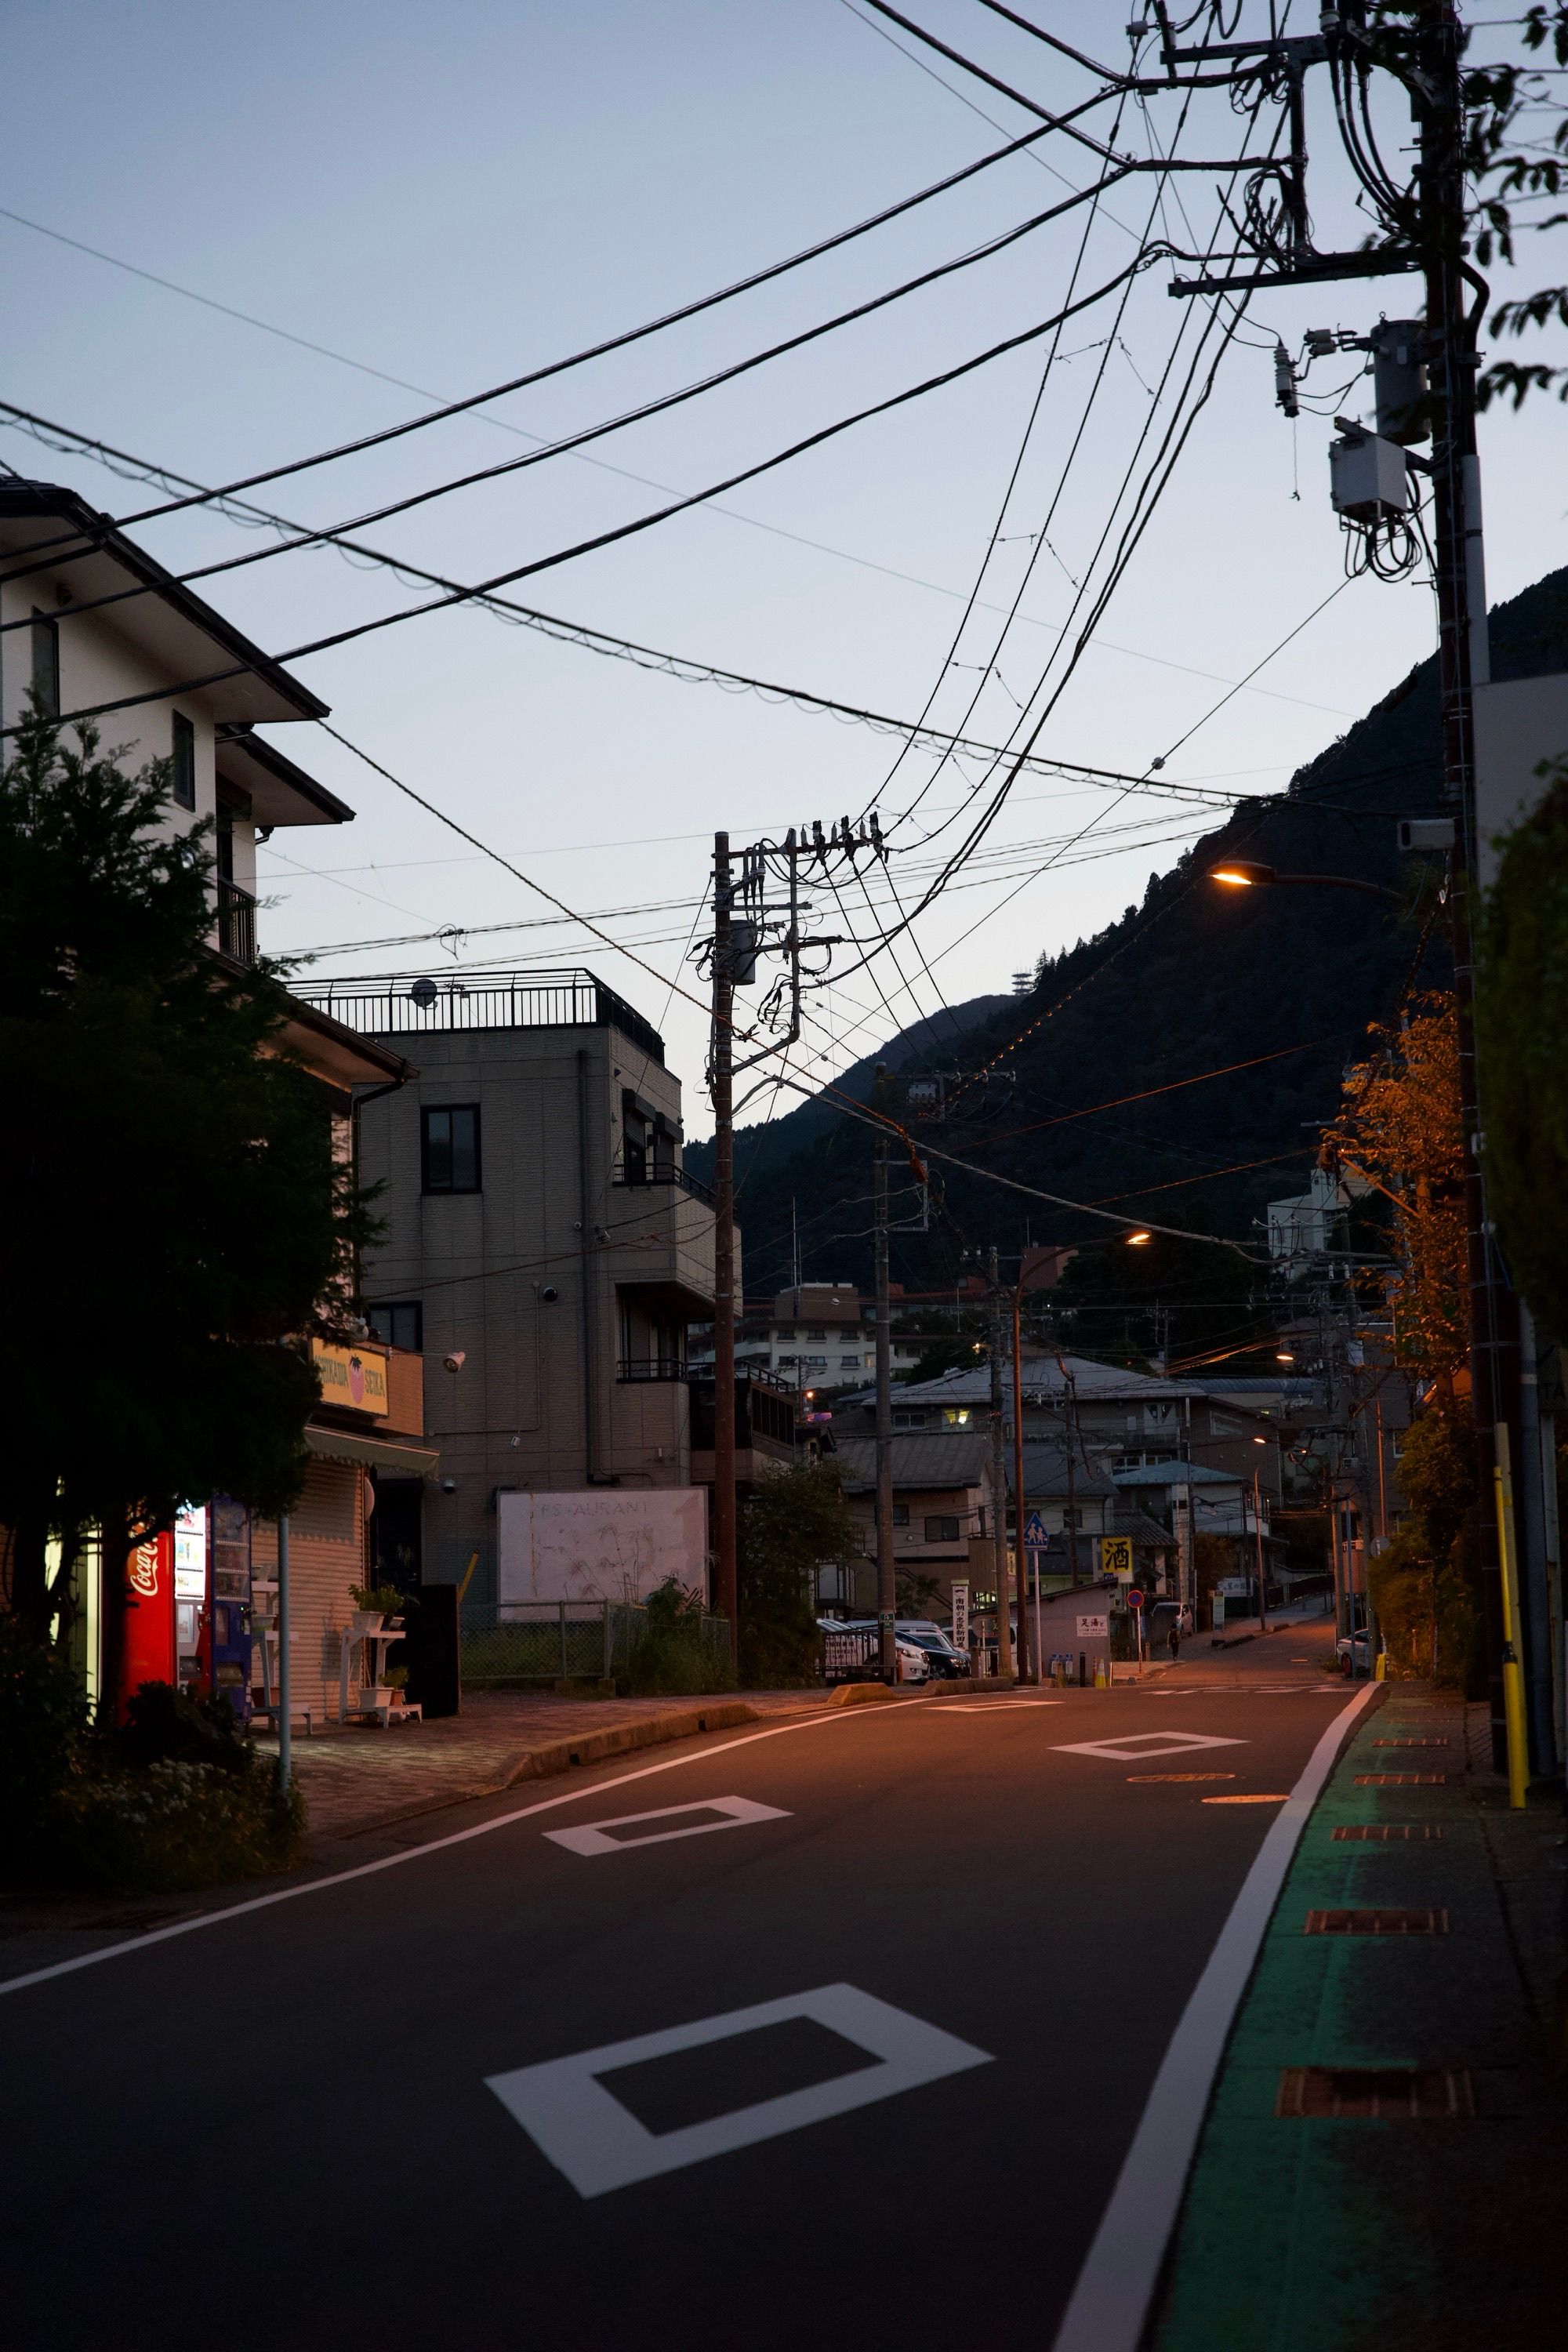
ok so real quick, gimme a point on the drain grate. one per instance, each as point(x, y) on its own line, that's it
point(1401, 1779)
point(1388, 2093)
point(1384, 1834)
point(1410, 1743)
point(1376, 1922)
point(1145, 1776)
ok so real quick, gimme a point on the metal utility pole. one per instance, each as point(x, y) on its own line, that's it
point(1028, 1654)
point(1069, 1418)
point(726, 1596)
point(285, 1668)
point(886, 1580)
point(1262, 1565)
point(999, 1485)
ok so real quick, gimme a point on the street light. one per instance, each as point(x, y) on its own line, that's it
point(1243, 874)
point(1136, 1241)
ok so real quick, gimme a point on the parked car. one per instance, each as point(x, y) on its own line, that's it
point(944, 1660)
point(1350, 1649)
point(852, 1650)
point(913, 1664)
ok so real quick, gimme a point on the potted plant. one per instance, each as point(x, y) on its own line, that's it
point(374, 1603)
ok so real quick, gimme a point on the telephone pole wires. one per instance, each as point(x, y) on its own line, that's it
point(726, 1594)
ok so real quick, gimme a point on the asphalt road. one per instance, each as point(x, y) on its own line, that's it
point(317, 2123)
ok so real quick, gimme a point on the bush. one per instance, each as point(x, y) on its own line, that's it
point(674, 1659)
point(43, 1720)
point(164, 1726)
point(174, 1826)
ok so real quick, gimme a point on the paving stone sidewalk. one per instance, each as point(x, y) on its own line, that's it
point(356, 1778)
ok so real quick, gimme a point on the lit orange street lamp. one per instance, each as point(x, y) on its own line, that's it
point(1242, 874)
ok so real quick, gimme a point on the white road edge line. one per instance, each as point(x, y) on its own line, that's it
point(1111, 2303)
point(416, 1853)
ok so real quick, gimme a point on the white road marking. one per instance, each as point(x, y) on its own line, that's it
point(1136, 1745)
point(590, 1837)
point(1111, 2302)
point(599, 2144)
point(432, 1845)
point(990, 1705)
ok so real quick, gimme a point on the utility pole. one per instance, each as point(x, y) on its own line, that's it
point(886, 1580)
point(1463, 663)
point(1069, 1418)
point(726, 1594)
point(999, 1485)
point(1262, 1567)
point(1028, 1654)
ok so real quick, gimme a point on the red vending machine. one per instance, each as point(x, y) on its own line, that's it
point(149, 1654)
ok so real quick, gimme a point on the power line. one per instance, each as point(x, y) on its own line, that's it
point(40, 559)
point(623, 530)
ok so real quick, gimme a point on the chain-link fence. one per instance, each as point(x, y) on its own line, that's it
point(533, 1644)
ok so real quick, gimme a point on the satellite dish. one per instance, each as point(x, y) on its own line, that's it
point(423, 994)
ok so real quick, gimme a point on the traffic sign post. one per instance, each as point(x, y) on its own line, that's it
point(1135, 1602)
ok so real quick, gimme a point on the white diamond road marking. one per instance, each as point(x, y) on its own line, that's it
point(1137, 1744)
point(599, 2144)
point(591, 1838)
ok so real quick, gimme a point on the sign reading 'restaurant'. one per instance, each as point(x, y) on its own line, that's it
point(352, 1379)
point(606, 1544)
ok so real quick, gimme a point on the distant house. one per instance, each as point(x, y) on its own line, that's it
point(941, 1526)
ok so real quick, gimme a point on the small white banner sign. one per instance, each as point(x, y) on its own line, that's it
point(1093, 1628)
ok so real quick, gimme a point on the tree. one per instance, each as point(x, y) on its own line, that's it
point(171, 1208)
point(791, 1525)
point(1521, 1020)
point(1402, 1131)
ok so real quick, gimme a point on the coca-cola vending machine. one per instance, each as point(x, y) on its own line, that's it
point(149, 1650)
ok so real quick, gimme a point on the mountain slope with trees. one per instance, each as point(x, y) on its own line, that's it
point(1196, 978)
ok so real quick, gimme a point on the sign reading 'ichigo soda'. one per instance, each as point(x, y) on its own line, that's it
point(149, 1654)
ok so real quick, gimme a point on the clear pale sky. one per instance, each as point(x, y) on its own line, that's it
point(456, 194)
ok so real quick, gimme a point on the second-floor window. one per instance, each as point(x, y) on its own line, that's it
point(900, 1515)
point(47, 663)
point(941, 1531)
point(182, 776)
point(398, 1323)
point(449, 1147)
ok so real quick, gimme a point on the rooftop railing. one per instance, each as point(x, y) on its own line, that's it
point(401, 1004)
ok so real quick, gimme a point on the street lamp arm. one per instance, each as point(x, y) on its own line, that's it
point(1246, 874)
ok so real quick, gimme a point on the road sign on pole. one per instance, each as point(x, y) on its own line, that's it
point(1034, 1532)
point(961, 1617)
point(1134, 1598)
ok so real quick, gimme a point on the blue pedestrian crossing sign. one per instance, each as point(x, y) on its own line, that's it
point(1034, 1532)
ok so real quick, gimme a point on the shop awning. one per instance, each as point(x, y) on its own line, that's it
point(395, 1455)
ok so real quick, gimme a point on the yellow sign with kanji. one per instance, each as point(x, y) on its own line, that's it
point(1116, 1555)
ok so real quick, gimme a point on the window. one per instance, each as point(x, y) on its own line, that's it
point(183, 781)
point(848, 1363)
point(47, 663)
point(900, 1515)
point(940, 1530)
point(816, 1363)
point(817, 1335)
point(400, 1323)
point(449, 1145)
point(782, 1334)
point(956, 1416)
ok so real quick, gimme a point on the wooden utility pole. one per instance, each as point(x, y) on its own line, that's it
point(999, 1485)
point(885, 1579)
point(726, 1596)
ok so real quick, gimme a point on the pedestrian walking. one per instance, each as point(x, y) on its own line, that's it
point(1174, 1640)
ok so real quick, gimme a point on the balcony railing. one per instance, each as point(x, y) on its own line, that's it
point(665, 1172)
point(402, 1004)
point(235, 922)
point(650, 1368)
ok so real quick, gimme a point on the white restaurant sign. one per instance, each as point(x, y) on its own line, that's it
point(602, 1544)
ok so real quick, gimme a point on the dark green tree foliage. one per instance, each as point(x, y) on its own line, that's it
point(790, 1524)
point(1427, 1585)
point(170, 1207)
point(1522, 1021)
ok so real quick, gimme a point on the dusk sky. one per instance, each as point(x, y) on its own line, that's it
point(453, 196)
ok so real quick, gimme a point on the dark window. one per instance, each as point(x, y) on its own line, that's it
point(449, 1137)
point(399, 1324)
point(900, 1515)
point(941, 1531)
point(183, 778)
point(47, 664)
